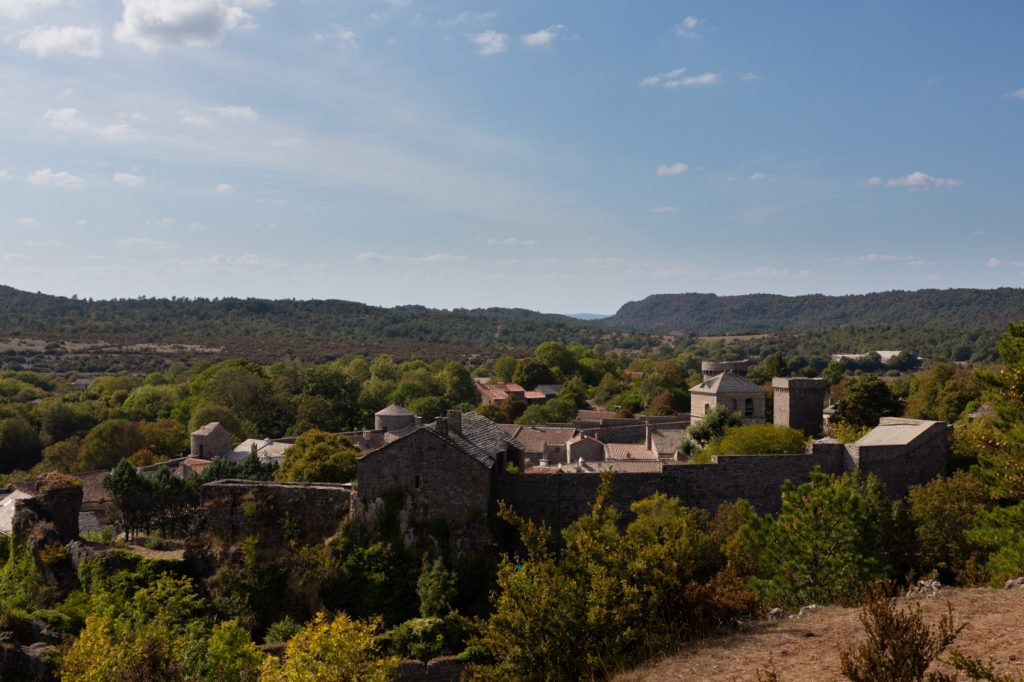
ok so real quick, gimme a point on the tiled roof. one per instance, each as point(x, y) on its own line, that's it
point(366, 441)
point(208, 429)
point(534, 395)
point(266, 449)
point(648, 466)
point(393, 410)
point(535, 438)
point(548, 389)
point(627, 451)
point(500, 390)
point(171, 464)
point(726, 382)
point(196, 465)
point(93, 491)
point(666, 440)
point(481, 438)
point(594, 414)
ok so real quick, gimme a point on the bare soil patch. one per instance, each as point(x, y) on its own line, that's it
point(806, 649)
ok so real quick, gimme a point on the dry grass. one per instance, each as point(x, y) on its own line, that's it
point(807, 649)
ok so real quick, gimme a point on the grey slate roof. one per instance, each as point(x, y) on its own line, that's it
point(726, 382)
point(481, 439)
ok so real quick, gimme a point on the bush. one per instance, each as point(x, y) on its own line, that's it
point(282, 630)
point(943, 511)
point(426, 638)
point(759, 439)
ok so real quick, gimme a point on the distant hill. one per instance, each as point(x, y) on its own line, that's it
point(315, 330)
point(588, 316)
point(712, 314)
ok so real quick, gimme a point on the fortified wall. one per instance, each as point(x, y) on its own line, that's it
point(901, 452)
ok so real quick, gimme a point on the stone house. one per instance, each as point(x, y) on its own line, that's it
point(210, 441)
point(439, 480)
point(731, 390)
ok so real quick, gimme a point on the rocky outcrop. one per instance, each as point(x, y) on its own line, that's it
point(52, 515)
point(444, 669)
point(24, 645)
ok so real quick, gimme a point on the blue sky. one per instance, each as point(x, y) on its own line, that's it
point(563, 156)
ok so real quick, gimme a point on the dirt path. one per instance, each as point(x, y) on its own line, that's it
point(807, 649)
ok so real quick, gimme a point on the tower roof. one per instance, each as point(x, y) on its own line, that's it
point(726, 382)
point(393, 410)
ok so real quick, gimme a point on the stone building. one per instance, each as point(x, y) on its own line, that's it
point(731, 391)
point(438, 479)
point(798, 403)
point(712, 369)
point(211, 441)
point(393, 418)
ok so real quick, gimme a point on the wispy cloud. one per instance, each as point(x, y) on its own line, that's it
point(47, 177)
point(224, 188)
point(466, 18)
point(21, 8)
point(25, 221)
point(915, 181)
point(675, 169)
point(874, 258)
point(673, 79)
point(345, 36)
point(750, 76)
point(686, 28)
point(52, 41)
point(663, 209)
point(757, 175)
point(543, 37)
point(435, 258)
point(238, 113)
point(142, 243)
point(194, 120)
point(129, 180)
point(43, 244)
point(997, 263)
point(507, 241)
point(1016, 94)
point(69, 119)
point(490, 42)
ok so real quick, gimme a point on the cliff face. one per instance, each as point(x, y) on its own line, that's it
point(276, 515)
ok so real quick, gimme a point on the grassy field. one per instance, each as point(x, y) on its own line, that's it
point(806, 649)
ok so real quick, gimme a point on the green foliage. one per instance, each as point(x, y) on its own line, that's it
point(426, 638)
point(998, 532)
point(530, 372)
point(943, 511)
point(326, 650)
point(108, 443)
point(436, 588)
point(713, 425)
point(831, 537)
point(130, 494)
point(865, 399)
point(20, 446)
point(759, 439)
point(1001, 438)
point(319, 456)
point(900, 646)
point(847, 433)
point(282, 630)
point(616, 595)
point(942, 393)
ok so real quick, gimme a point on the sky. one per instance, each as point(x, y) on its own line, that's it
point(559, 155)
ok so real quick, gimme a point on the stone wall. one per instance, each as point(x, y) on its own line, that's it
point(434, 484)
point(445, 669)
point(635, 430)
point(903, 465)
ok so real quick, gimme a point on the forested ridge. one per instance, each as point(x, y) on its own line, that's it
point(713, 314)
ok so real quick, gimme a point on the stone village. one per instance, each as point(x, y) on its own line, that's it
point(453, 472)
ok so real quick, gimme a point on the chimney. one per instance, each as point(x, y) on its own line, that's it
point(647, 433)
point(455, 422)
point(441, 426)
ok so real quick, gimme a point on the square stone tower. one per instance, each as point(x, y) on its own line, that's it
point(799, 402)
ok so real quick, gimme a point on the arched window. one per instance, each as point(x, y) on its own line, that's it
point(707, 407)
point(748, 408)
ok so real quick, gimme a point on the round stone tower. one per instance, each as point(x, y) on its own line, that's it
point(393, 418)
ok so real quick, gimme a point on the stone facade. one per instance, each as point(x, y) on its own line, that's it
point(799, 402)
point(731, 391)
point(211, 441)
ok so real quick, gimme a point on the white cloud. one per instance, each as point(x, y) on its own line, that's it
point(686, 28)
point(240, 113)
point(49, 41)
point(343, 35)
point(510, 241)
point(25, 221)
point(663, 209)
point(872, 258)
point(702, 79)
point(48, 178)
point(466, 18)
point(16, 256)
point(129, 180)
point(20, 8)
point(675, 169)
point(224, 188)
point(370, 256)
point(750, 76)
point(543, 37)
point(157, 24)
point(119, 132)
point(142, 243)
point(773, 273)
point(193, 120)
point(490, 42)
point(996, 263)
point(671, 79)
point(4, 174)
point(1016, 94)
point(919, 180)
point(67, 118)
point(873, 181)
point(757, 175)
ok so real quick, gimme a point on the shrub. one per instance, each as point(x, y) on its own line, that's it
point(900, 646)
point(943, 511)
point(759, 439)
point(426, 638)
point(326, 650)
point(282, 630)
